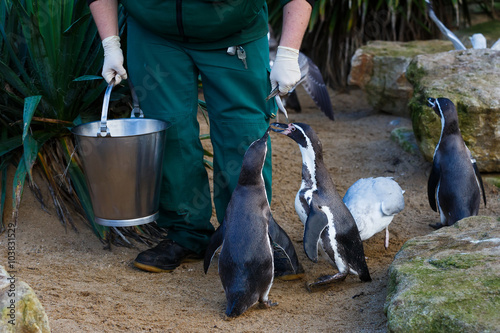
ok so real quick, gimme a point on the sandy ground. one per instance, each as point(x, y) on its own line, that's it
point(86, 288)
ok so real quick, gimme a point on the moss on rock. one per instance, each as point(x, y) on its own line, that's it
point(447, 281)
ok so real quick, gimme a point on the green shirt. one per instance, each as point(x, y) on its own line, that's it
point(202, 24)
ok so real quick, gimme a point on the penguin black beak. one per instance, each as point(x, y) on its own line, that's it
point(278, 127)
point(431, 102)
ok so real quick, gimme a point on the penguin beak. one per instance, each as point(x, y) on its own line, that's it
point(281, 128)
point(431, 102)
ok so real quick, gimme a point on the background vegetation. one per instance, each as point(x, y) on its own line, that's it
point(338, 28)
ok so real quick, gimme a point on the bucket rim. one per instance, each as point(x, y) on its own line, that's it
point(75, 130)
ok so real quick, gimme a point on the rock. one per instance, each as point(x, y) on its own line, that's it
point(405, 138)
point(470, 80)
point(21, 311)
point(447, 281)
point(379, 69)
point(492, 179)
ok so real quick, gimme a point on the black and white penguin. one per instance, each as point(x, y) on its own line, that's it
point(454, 182)
point(326, 218)
point(247, 236)
point(373, 202)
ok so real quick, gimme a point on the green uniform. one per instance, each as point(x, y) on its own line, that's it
point(165, 70)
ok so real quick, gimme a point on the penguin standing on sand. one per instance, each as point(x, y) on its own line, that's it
point(326, 218)
point(454, 182)
point(247, 236)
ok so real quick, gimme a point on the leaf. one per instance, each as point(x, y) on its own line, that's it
point(30, 105)
point(3, 183)
point(30, 153)
point(13, 79)
point(18, 187)
point(88, 78)
point(10, 144)
point(80, 186)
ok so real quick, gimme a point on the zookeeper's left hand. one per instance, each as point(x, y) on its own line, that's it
point(285, 72)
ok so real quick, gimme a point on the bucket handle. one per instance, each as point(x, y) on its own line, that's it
point(136, 111)
point(135, 102)
point(104, 130)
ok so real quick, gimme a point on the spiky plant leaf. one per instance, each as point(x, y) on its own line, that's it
point(30, 104)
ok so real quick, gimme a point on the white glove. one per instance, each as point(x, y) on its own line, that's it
point(113, 60)
point(285, 72)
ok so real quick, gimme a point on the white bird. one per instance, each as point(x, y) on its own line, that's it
point(373, 202)
point(478, 41)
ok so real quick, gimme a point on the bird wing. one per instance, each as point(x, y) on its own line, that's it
point(215, 243)
point(450, 35)
point(279, 236)
point(496, 46)
point(316, 222)
point(432, 185)
point(313, 84)
point(478, 175)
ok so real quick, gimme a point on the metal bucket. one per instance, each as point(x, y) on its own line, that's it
point(122, 162)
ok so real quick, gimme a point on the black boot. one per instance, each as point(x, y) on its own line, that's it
point(165, 257)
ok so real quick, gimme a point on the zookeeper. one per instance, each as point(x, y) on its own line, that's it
point(169, 45)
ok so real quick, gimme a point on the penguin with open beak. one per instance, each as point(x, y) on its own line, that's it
point(247, 237)
point(454, 183)
point(327, 220)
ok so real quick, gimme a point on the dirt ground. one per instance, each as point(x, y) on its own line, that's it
point(86, 288)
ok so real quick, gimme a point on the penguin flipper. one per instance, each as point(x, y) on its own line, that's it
point(280, 237)
point(355, 254)
point(316, 88)
point(479, 179)
point(432, 185)
point(316, 222)
point(215, 243)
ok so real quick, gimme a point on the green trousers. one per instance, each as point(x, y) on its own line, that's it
point(165, 75)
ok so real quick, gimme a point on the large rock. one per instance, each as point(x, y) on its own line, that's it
point(471, 80)
point(379, 69)
point(447, 281)
point(21, 311)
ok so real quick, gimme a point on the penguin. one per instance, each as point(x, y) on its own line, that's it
point(373, 202)
point(455, 184)
point(247, 236)
point(327, 220)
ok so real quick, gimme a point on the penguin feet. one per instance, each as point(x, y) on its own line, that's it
point(267, 304)
point(324, 281)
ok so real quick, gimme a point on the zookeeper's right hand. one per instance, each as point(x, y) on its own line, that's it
point(113, 60)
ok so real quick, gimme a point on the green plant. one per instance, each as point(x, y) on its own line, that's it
point(50, 59)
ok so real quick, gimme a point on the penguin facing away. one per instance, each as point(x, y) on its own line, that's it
point(373, 202)
point(455, 185)
point(246, 238)
point(327, 221)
